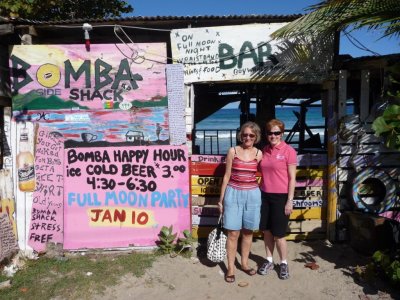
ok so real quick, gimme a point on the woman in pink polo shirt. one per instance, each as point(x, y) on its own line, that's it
point(278, 168)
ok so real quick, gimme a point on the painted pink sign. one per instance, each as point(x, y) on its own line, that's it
point(47, 208)
point(122, 196)
point(109, 76)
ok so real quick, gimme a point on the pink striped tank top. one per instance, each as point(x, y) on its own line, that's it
point(243, 174)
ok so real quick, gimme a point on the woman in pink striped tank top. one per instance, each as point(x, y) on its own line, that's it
point(240, 198)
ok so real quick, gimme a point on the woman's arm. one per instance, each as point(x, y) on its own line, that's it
point(227, 176)
point(292, 186)
point(259, 156)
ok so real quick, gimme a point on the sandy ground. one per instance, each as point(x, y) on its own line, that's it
point(196, 278)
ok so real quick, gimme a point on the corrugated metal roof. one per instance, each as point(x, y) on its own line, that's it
point(21, 21)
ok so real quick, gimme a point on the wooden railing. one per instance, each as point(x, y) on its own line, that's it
point(218, 141)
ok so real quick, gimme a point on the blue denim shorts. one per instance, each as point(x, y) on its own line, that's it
point(242, 209)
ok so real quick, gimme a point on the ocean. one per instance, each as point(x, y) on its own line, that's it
point(215, 134)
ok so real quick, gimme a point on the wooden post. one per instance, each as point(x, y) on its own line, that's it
point(342, 93)
point(364, 95)
point(332, 164)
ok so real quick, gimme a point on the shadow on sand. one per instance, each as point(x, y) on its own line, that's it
point(350, 262)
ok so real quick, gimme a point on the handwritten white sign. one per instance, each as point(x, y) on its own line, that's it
point(247, 52)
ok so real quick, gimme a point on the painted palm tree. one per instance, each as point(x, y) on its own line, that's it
point(333, 15)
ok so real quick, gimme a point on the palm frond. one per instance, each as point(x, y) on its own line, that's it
point(332, 15)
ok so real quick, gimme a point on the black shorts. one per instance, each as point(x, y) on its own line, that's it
point(273, 216)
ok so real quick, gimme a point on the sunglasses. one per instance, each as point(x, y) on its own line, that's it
point(276, 133)
point(250, 135)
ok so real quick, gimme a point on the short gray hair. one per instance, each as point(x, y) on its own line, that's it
point(254, 127)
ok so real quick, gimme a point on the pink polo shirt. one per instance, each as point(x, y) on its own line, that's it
point(274, 168)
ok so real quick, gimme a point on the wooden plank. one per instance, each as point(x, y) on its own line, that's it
point(206, 190)
point(7, 155)
point(217, 181)
point(297, 202)
point(346, 174)
point(303, 203)
point(206, 180)
point(207, 210)
point(7, 203)
point(342, 93)
point(204, 200)
point(310, 193)
point(311, 159)
point(205, 220)
point(208, 158)
point(366, 149)
point(309, 213)
point(207, 169)
point(382, 160)
point(218, 169)
point(303, 160)
point(307, 226)
point(310, 182)
point(367, 138)
point(216, 190)
point(332, 137)
point(311, 173)
point(364, 95)
point(201, 232)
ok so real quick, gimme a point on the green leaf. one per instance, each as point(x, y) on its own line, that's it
point(380, 126)
point(398, 274)
point(392, 112)
point(165, 231)
point(392, 141)
point(164, 240)
point(186, 233)
point(377, 256)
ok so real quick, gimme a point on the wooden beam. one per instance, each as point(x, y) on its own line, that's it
point(342, 93)
point(364, 95)
point(332, 164)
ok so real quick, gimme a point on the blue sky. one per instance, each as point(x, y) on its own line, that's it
point(244, 7)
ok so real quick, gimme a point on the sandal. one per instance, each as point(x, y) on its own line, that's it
point(250, 272)
point(230, 278)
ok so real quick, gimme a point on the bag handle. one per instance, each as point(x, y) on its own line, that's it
point(220, 225)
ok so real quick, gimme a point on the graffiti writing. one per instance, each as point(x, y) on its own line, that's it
point(47, 208)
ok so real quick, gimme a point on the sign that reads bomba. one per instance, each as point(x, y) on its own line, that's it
point(124, 195)
point(68, 76)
